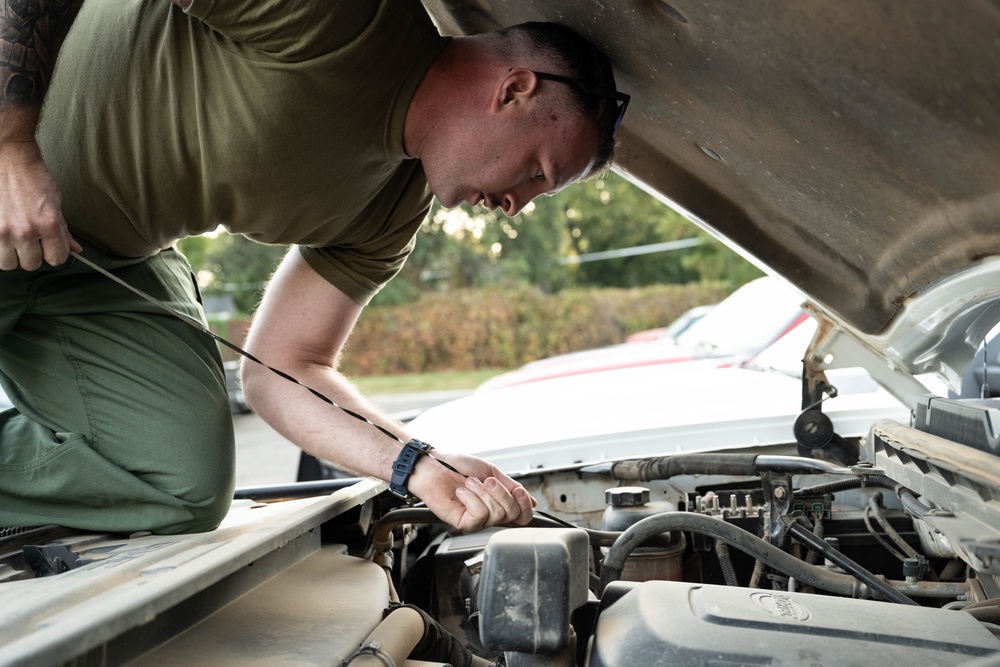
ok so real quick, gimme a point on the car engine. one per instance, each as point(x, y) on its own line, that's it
point(886, 552)
point(741, 558)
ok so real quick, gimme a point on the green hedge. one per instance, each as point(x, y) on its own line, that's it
point(464, 330)
point(493, 328)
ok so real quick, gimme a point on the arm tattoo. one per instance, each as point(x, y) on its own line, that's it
point(31, 32)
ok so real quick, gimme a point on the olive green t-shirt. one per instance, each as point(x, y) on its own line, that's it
point(278, 119)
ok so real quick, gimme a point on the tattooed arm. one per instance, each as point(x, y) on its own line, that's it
point(32, 228)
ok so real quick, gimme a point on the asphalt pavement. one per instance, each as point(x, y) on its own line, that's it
point(264, 457)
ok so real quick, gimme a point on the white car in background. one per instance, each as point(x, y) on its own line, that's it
point(672, 330)
point(653, 410)
point(739, 327)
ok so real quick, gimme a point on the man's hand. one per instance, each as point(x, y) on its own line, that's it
point(485, 498)
point(32, 227)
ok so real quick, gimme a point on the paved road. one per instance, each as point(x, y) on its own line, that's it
point(264, 457)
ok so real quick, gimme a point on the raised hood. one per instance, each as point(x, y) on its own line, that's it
point(851, 147)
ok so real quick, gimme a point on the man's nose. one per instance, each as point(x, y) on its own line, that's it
point(512, 205)
point(512, 202)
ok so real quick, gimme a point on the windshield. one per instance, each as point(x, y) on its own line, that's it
point(747, 321)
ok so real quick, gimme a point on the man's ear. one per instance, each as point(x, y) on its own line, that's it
point(517, 87)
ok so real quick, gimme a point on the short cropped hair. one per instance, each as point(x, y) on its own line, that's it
point(558, 49)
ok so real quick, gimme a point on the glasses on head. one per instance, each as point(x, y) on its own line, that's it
point(621, 98)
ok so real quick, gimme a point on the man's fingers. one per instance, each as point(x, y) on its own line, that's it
point(26, 254)
point(475, 513)
point(489, 503)
point(8, 258)
point(513, 486)
point(56, 244)
point(525, 503)
point(29, 253)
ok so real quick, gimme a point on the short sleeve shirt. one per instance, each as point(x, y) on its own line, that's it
point(278, 119)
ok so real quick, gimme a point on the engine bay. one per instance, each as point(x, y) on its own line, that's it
point(737, 558)
point(744, 558)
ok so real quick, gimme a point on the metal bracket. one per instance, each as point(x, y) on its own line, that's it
point(778, 498)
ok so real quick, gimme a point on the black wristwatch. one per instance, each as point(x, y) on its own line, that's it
point(403, 467)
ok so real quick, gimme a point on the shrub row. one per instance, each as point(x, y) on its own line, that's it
point(494, 328)
point(502, 328)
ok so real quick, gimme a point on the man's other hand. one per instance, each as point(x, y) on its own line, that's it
point(32, 227)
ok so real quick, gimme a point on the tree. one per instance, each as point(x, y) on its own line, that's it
point(609, 213)
point(473, 247)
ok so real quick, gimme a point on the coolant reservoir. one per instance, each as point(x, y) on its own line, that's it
point(662, 559)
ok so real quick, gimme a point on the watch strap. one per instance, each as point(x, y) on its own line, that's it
point(403, 467)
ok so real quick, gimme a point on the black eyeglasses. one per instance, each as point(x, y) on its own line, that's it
point(621, 98)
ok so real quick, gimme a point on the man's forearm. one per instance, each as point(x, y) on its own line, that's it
point(31, 32)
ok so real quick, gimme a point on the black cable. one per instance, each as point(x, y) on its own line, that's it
point(726, 563)
point(876, 510)
point(861, 481)
point(878, 538)
point(805, 536)
point(910, 502)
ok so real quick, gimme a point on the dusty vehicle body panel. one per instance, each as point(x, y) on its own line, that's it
point(126, 594)
point(851, 148)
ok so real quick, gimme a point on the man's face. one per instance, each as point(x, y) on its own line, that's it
point(508, 159)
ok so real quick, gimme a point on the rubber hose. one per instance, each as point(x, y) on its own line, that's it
point(382, 533)
point(892, 533)
point(438, 645)
point(665, 467)
point(987, 611)
point(913, 505)
point(392, 640)
point(614, 563)
point(990, 614)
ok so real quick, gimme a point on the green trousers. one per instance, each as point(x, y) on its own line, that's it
point(121, 418)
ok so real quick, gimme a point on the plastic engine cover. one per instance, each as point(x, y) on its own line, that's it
point(682, 624)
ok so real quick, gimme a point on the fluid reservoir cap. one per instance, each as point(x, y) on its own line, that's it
point(627, 496)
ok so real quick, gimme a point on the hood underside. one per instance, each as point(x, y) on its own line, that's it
point(852, 147)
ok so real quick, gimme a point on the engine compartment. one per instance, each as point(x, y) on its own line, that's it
point(753, 557)
point(749, 558)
